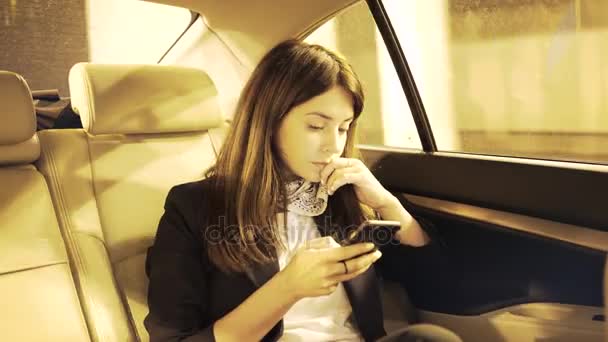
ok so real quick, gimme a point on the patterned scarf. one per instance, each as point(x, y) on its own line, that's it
point(306, 198)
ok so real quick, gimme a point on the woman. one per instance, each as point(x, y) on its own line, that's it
point(240, 256)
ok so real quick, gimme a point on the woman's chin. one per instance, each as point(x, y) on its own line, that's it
point(312, 175)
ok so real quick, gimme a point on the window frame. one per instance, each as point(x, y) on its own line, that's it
point(408, 84)
point(419, 114)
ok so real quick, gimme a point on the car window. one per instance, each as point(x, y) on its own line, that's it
point(386, 118)
point(42, 41)
point(524, 78)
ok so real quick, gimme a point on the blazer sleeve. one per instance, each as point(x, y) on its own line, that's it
point(175, 265)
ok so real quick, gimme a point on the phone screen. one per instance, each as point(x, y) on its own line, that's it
point(378, 232)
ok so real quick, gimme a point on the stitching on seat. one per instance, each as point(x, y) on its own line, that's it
point(116, 285)
point(123, 298)
point(75, 259)
point(127, 307)
point(92, 236)
point(35, 267)
point(90, 155)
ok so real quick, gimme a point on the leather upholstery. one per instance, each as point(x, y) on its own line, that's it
point(38, 299)
point(109, 191)
point(18, 142)
point(135, 99)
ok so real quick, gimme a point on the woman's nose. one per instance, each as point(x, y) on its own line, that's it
point(332, 142)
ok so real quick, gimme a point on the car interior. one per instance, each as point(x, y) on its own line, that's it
point(520, 250)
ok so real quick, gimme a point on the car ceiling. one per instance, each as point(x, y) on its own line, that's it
point(244, 26)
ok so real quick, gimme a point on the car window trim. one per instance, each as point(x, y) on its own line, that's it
point(193, 17)
point(402, 68)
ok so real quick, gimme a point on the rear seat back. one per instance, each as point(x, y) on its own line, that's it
point(146, 128)
point(38, 299)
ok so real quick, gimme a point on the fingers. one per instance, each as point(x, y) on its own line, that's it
point(346, 277)
point(338, 178)
point(363, 261)
point(331, 273)
point(335, 164)
point(327, 290)
point(358, 266)
point(330, 167)
point(338, 268)
point(334, 281)
point(347, 252)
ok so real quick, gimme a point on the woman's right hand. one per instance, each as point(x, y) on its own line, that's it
point(317, 272)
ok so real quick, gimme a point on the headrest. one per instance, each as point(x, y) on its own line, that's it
point(18, 140)
point(135, 99)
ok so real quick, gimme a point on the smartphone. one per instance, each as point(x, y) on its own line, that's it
point(378, 232)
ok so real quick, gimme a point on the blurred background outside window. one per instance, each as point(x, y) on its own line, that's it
point(386, 118)
point(524, 78)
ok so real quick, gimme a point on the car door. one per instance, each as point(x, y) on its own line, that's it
point(502, 146)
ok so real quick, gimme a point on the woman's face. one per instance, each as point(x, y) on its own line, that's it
point(314, 132)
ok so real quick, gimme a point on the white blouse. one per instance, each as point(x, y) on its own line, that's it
point(325, 318)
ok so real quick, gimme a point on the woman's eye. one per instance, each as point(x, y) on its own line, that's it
point(343, 130)
point(315, 128)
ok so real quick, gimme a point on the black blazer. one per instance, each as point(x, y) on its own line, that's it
point(187, 294)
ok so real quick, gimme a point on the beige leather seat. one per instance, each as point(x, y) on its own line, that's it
point(38, 299)
point(146, 128)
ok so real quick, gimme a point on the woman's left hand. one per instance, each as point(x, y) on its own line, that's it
point(369, 191)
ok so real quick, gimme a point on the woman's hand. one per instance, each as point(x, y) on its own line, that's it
point(369, 191)
point(317, 272)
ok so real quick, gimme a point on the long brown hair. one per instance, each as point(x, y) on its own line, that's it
point(249, 175)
